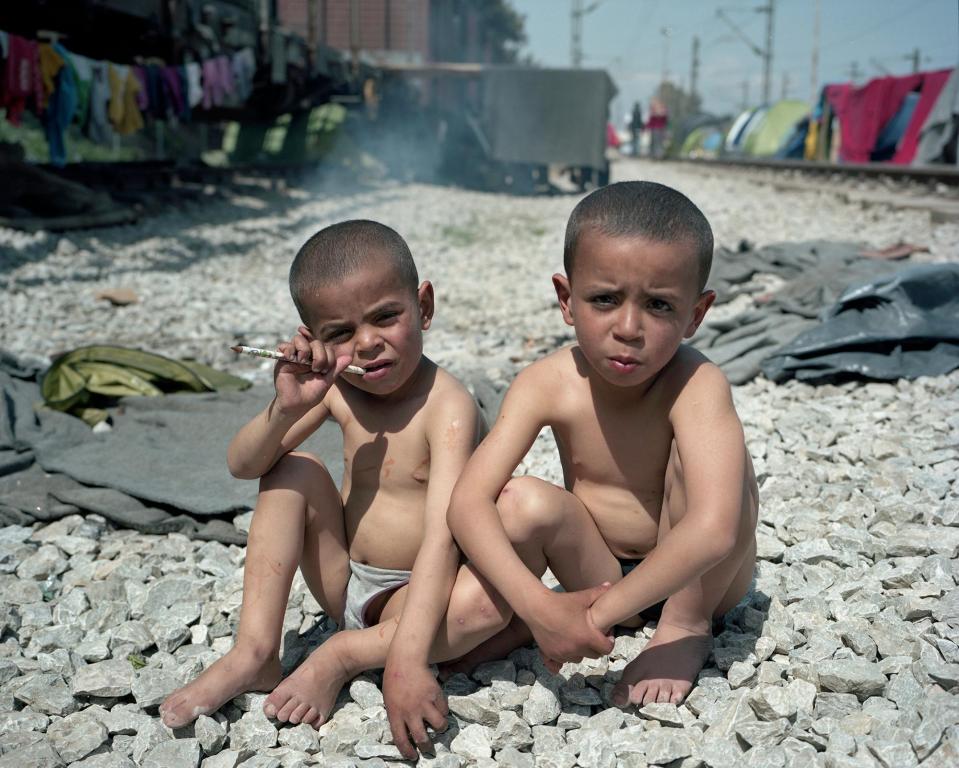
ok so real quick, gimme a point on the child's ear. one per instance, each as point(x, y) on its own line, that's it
point(705, 301)
point(424, 297)
point(561, 284)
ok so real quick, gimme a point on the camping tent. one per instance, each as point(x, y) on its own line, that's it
point(765, 136)
point(736, 131)
point(704, 141)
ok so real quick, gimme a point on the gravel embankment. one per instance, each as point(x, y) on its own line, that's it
point(846, 653)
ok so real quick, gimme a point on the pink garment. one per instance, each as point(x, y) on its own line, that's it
point(217, 81)
point(226, 74)
point(932, 85)
point(862, 112)
point(143, 97)
point(22, 80)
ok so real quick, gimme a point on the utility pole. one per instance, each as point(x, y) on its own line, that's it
point(915, 60)
point(766, 54)
point(576, 34)
point(665, 32)
point(694, 69)
point(785, 89)
point(576, 14)
point(814, 69)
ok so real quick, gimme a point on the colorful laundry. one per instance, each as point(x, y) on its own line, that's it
point(22, 83)
point(61, 107)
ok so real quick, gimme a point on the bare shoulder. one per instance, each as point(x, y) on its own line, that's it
point(448, 395)
point(696, 384)
point(549, 375)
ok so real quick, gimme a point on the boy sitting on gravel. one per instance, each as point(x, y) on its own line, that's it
point(376, 554)
point(660, 498)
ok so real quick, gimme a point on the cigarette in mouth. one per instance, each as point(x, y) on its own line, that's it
point(273, 355)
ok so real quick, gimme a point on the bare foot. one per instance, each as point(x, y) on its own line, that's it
point(309, 693)
point(515, 635)
point(666, 668)
point(239, 671)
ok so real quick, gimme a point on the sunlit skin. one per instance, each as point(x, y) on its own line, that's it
point(408, 429)
point(655, 467)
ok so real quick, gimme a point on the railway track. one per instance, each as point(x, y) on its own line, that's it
point(927, 188)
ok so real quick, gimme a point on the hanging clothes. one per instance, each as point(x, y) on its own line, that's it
point(116, 75)
point(51, 63)
point(217, 81)
point(937, 136)
point(158, 109)
point(98, 124)
point(932, 85)
point(131, 120)
point(143, 95)
point(83, 69)
point(243, 65)
point(22, 82)
point(862, 112)
point(194, 89)
point(61, 107)
point(184, 90)
point(170, 82)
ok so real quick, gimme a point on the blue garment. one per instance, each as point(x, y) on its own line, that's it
point(60, 109)
point(184, 89)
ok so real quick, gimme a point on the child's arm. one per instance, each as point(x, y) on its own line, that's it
point(296, 411)
point(410, 690)
point(559, 622)
point(711, 445)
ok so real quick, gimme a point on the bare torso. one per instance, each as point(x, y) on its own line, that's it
point(615, 450)
point(386, 467)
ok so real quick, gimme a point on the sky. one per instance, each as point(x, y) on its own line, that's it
point(626, 38)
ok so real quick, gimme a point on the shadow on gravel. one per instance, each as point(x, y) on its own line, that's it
point(179, 249)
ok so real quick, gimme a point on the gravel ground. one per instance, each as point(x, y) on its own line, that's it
point(845, 654)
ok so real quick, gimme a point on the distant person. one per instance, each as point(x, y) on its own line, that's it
point(376, 554)
point(659, 498)
point(657, 124)
point(636, 126)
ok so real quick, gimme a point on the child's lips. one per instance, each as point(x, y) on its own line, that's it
point(377, 370)
point(624, 364)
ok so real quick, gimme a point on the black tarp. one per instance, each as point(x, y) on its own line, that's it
point(902, 326)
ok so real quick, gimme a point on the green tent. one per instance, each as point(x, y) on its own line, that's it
point(774, 127)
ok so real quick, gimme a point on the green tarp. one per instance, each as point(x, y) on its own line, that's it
point(83, 382)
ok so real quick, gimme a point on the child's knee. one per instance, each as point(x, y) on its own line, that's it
point(474, 609)
point(298, 471)
point(525, 507)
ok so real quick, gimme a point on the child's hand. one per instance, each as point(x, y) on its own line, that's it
point(303, 384)
point(413, 697)
point(564, 629)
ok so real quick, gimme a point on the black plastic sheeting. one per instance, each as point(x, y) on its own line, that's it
point(904, 326)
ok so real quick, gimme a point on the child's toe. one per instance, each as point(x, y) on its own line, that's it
point(296, 716)
point(274, 702)
point(287, 709)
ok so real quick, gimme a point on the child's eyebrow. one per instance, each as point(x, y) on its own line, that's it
point(390, 304)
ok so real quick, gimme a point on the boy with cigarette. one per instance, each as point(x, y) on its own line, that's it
point(376, 553)
point(660, 498)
